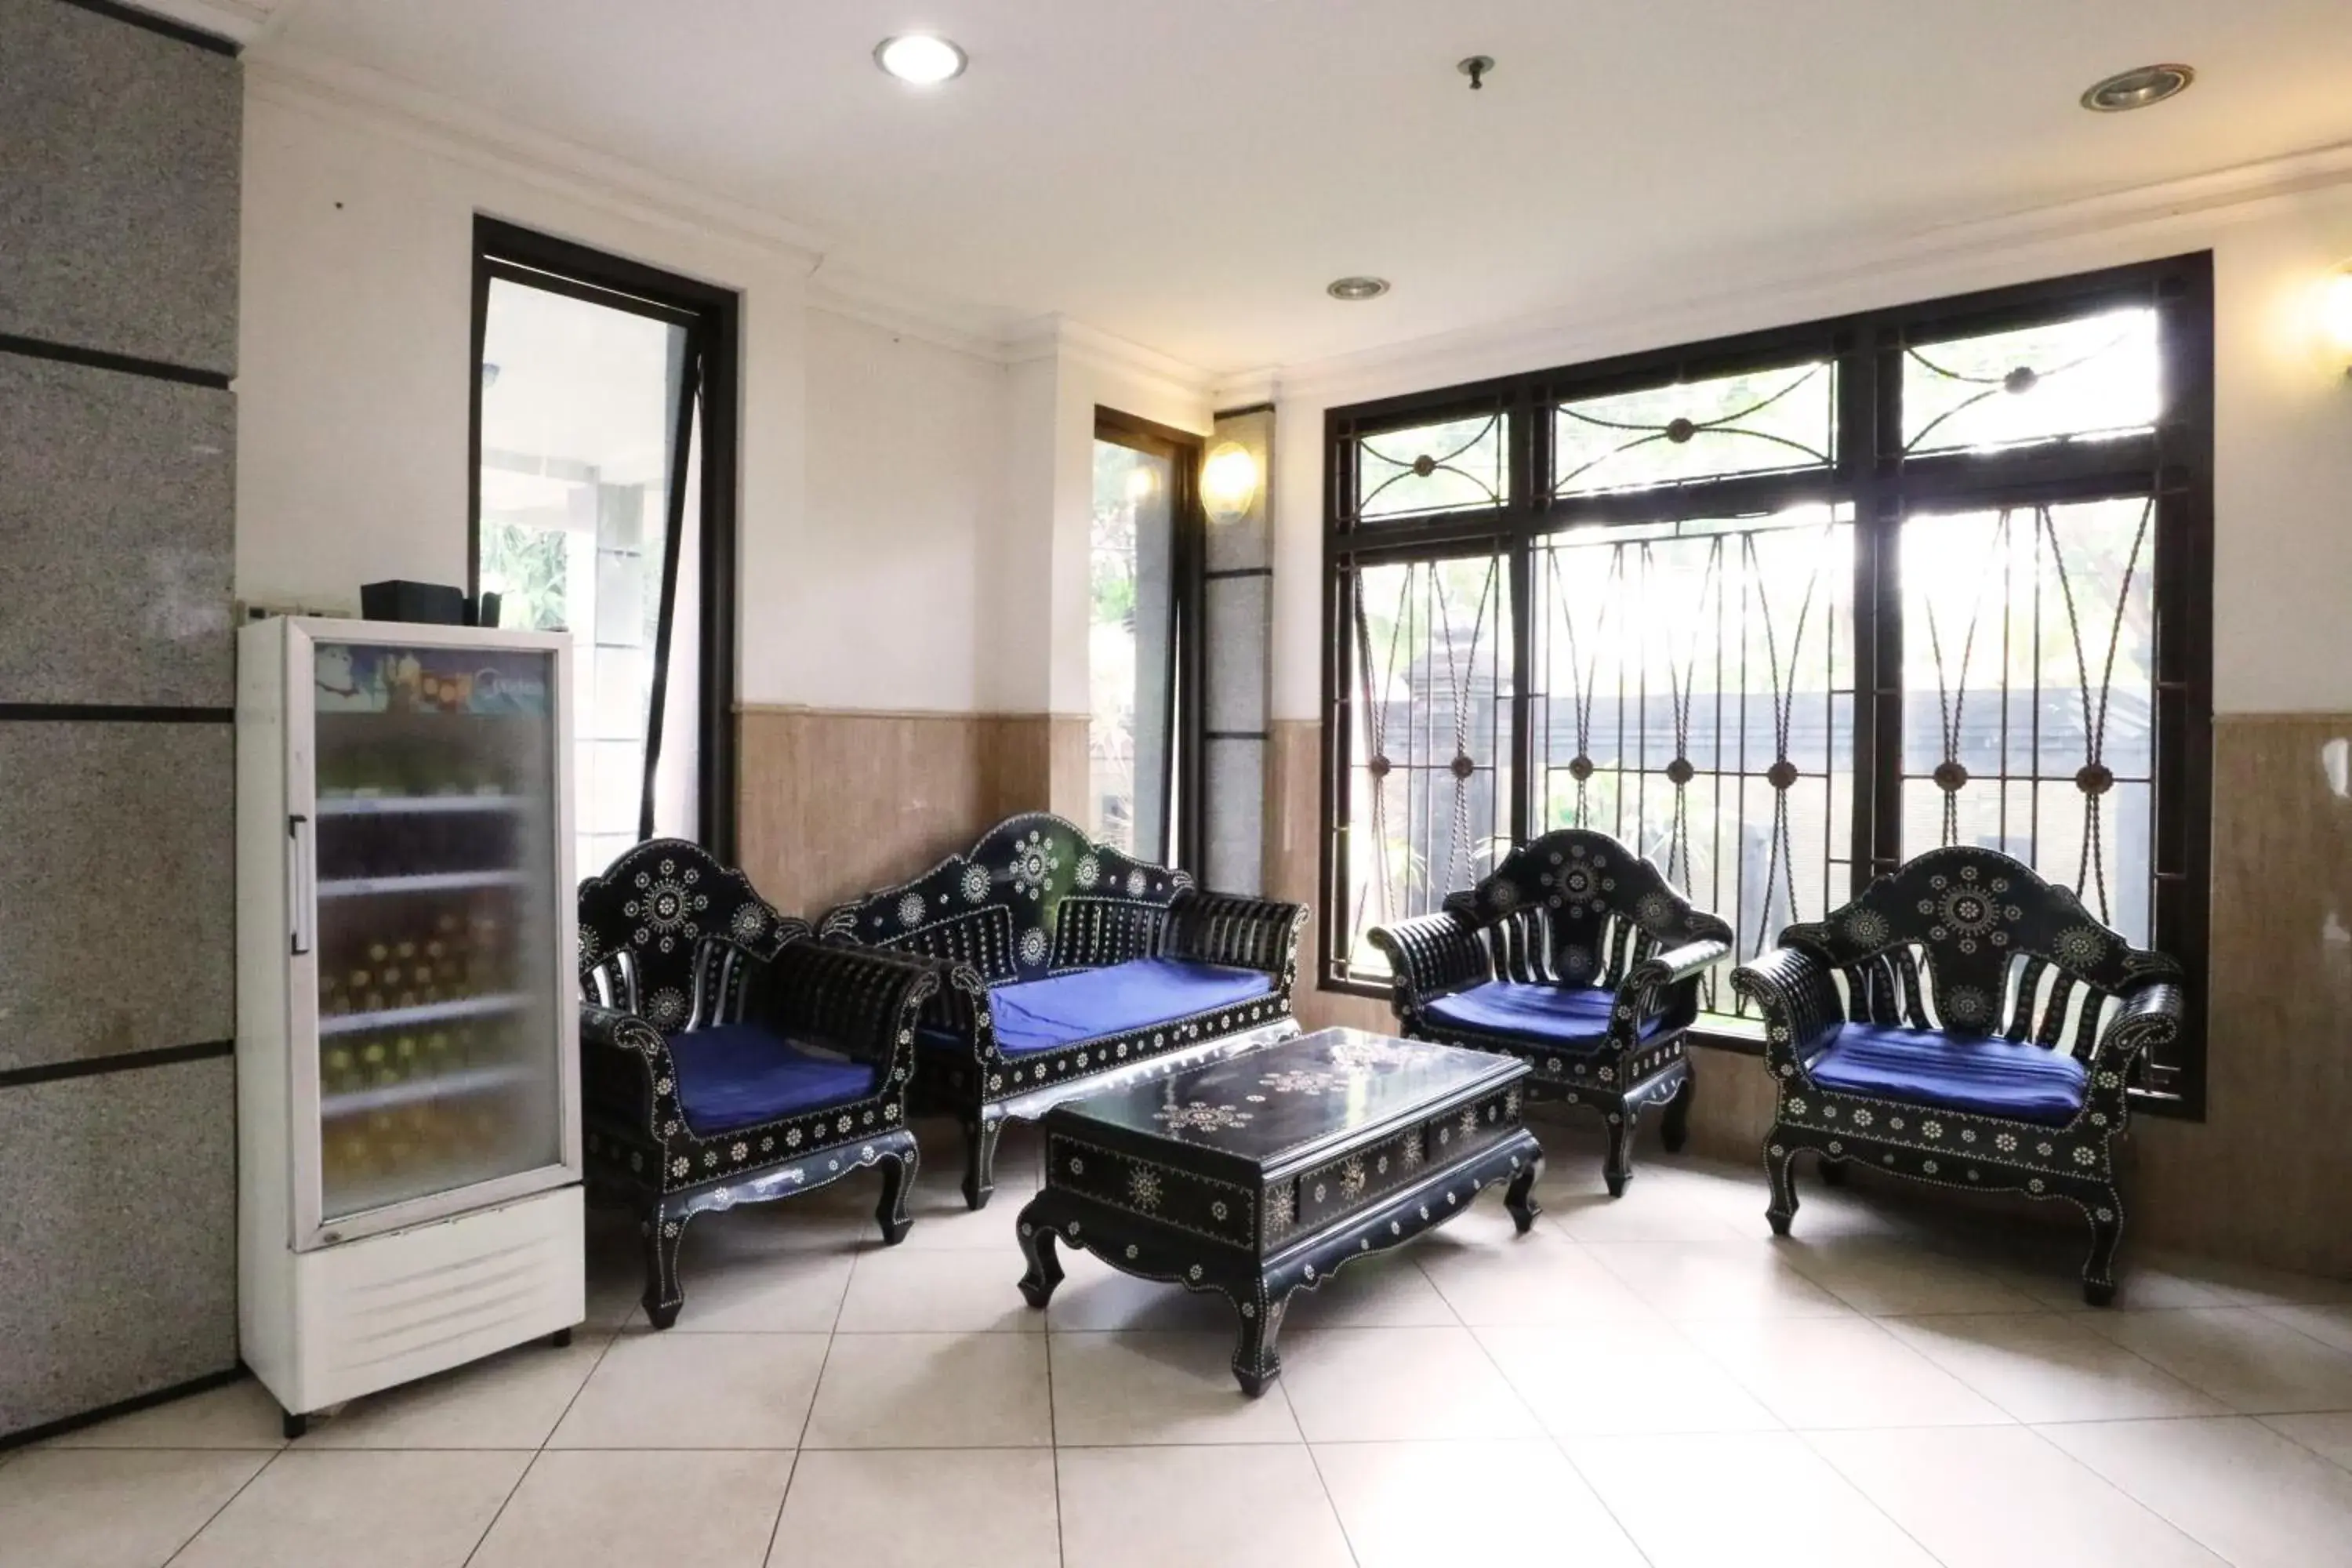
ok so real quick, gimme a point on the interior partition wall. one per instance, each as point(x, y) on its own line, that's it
point(118, 439)
point(1783, 610)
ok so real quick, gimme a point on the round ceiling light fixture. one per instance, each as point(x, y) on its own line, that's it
point(2137, 88)
point(923, 59)
point(1354, 289)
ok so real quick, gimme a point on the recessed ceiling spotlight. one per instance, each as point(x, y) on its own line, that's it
point(922, 58)
point(2138, 89)
point(1357, 288)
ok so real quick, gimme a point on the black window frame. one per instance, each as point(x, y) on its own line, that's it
point(713, 315)
point(2173, 463)
point(1187, 703)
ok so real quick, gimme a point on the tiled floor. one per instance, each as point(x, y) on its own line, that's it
point(1655, 1380)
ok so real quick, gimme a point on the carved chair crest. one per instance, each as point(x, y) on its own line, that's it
point(663, 933)
point(1592, 907)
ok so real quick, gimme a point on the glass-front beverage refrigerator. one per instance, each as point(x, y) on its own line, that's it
point(408, 1094)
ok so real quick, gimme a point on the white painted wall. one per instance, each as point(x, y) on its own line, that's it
point(2282, 430)
point(907, 498)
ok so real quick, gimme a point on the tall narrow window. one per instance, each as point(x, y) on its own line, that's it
point(604, 507)
point(1782, 611)
point(1141, 566)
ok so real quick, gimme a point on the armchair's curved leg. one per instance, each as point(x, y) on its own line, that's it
point(980, 1135)
point(1675, 1130)
point(665, 1233)
point(1256, 1363)
point(2099, 1267)
point(897, 1180)
point(1520, 1196)
point(1833, 1172)
point(1045, 1267)
point(1617, 1165)
point(1779, 1156)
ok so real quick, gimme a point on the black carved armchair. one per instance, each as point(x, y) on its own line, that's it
point(728, 1057)
point(1576, 956)
point(1963, 1023)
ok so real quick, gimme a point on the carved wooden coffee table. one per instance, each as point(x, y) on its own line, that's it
point(1264, 1171)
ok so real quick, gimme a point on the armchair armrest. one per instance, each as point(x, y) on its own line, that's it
point(863, 1001)
point(1800, 1004)
point(1648, 985)
point(2150, 1016)
point(624, 1063)
point(1430, 956)
point(1245, 933)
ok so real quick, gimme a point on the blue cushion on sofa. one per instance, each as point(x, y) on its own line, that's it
point(740, 1074)
point(1922, 1066)
point(1040, 1014)
point(1574, 1017)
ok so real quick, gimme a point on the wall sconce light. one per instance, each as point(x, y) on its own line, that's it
point(2335, 316)
point(1228, 481)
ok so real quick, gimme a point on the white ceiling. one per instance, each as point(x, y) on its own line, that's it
point(1189, 175)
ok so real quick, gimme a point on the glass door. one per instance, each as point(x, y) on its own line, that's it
point(439, 866)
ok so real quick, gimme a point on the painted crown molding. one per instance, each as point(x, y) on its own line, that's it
point(1070, 340)
point(1689, 303)
point(965, 326)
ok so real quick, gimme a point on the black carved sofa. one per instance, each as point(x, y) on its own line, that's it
point(1965, 1023)
point(1578, 957)
point(1067, 961)
point(728, 1057)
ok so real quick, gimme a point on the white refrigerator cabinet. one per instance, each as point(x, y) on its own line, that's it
point(408, 1094)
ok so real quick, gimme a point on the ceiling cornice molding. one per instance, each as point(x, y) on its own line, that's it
point(2154, 217)
point(298, 78)
point(1070, 340)
point(973, 330)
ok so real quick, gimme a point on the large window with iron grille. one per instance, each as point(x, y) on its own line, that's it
point(1784, 610)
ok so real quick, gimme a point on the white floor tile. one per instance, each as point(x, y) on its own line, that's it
point(1489, 1275)
point(360, 1511)
point(112, 1508)
point(1184, 1508)
point(509, 1401)
point(1375, 1384)
point(1936, 1485)
point(240, 1416)
point(1093, 1297)
point(627, 1509)
point(945, 1291)
point(1876, 1275)
point(1133, 1389)
point(933, 1391)
point(2330, 1325)
point(696, 1391)
point(897, 1509)
point(2328, 1436)
point(1627, 1377)
point(2241, 1490)
point(2047, 1366)
point(1839, 1372)
point(1650, 1210)
point(1385, 1290)
point(1413, 1505)
point(1694, 1279)
point(1760, 1499)
point(2250, 1362)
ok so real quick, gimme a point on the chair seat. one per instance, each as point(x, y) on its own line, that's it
point(1924, 1067)
point(1035, 1015)
point(1572, 1017)
point(740, 1074)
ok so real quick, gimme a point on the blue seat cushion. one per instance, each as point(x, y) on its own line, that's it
point(1572, 1017)
point(740, 1074)
point(1034, 1015)
point(1923, 1067)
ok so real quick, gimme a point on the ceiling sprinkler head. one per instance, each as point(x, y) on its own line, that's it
point(1475, 68)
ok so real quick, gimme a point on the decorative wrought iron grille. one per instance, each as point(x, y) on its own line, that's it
point(1785, 610)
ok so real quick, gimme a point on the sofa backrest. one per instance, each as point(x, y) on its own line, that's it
point(1974, 941)
point(673, 936)
point(1578, 908)
point(1035, 897)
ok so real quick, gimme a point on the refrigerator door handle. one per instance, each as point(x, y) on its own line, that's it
point(302, 880)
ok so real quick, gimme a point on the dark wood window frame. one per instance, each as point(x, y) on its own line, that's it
point(2173, 463)
point(1187, 653)
point(713, 316)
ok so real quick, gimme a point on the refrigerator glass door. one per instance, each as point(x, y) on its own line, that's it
point(438, 868)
